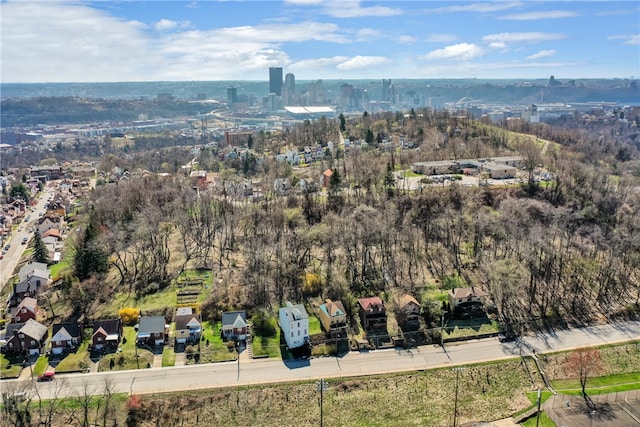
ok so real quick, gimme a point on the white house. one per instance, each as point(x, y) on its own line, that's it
point(294, 322)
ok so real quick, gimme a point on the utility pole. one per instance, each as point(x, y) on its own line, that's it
point(455, 408)
point(442, 330)
point(321, 386)
point(538, 416)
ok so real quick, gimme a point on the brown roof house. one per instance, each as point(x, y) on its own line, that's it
point(188, 328)
point(472, 294)
point(28, 337)
point(65, 337)
point(27, 309)
point(106, 334)
point(408, 314)
point(333, 317)
point(373, 313)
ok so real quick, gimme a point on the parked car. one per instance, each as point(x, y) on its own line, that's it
point(47, 376)
point(506, 337)
point(6, 248)
point(24, 240)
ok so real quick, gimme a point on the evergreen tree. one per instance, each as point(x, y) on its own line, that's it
point(389, 180)
point(335, 182)
point(369, 137)
point(40, 253)
point(19, 191)
point(90, 258)
point(343, 123)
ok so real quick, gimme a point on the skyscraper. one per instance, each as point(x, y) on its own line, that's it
point(275, 80)
point(386, 84)
point(289, 89)
point(232, 95)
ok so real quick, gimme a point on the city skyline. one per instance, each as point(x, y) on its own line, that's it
point(238, 40)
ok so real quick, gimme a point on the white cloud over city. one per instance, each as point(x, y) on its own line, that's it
point(107, 41)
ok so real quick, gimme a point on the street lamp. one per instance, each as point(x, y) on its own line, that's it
point(455, 408)
point(592, 415)
point(321, 386)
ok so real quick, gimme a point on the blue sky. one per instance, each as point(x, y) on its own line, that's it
point(105, 41)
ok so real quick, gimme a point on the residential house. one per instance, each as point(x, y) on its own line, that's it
point(333, 317)
point(373, 313)
point(408, 314)
point(106, 333)
point(57, 207)
point(234, 325)
point(27, 309)
point(294, 322)
point(152, 330)
point(50, 221)
point(28, 337)
point(472, 294)
point(188, 328)
point(22, 290)
point(31, 278)
point(65, 336)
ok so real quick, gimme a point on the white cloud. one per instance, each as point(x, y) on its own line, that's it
point(87, 44)
point(79, 44)
point(533, 16)
point(628, 39)
point(367, 34)
point(303, 2)
point(167, 24)
point(441, 38)
point(542, 54)
point(358, 62)
point(503, 40)
point(353, 9)
point(406, 39)
point(315, 63)
point(479, 7)
point(462, 51)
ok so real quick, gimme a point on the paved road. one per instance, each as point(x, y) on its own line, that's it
point(11, 258)
point(263, 371)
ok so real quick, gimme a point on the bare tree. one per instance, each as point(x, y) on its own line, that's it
point(583, 363)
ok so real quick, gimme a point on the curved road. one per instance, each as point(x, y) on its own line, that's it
point(264, 371)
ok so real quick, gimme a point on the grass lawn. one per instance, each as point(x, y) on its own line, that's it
point(75, 362)
point(466, 328)
point(160, 300)
point(267, 346)
point(314, 325)
point(41, 365)
point(410, 174)
point(125, 357)
point(168, 357)
point(545, 421)
point(213, 348)
point(64, 266)
point(608, 381)
point(9, 368)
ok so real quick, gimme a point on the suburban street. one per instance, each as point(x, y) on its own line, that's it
point(264, 371)
point(11, 258)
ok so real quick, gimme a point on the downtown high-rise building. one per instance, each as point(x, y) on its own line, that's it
point(275, 80)
point(289, 89)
